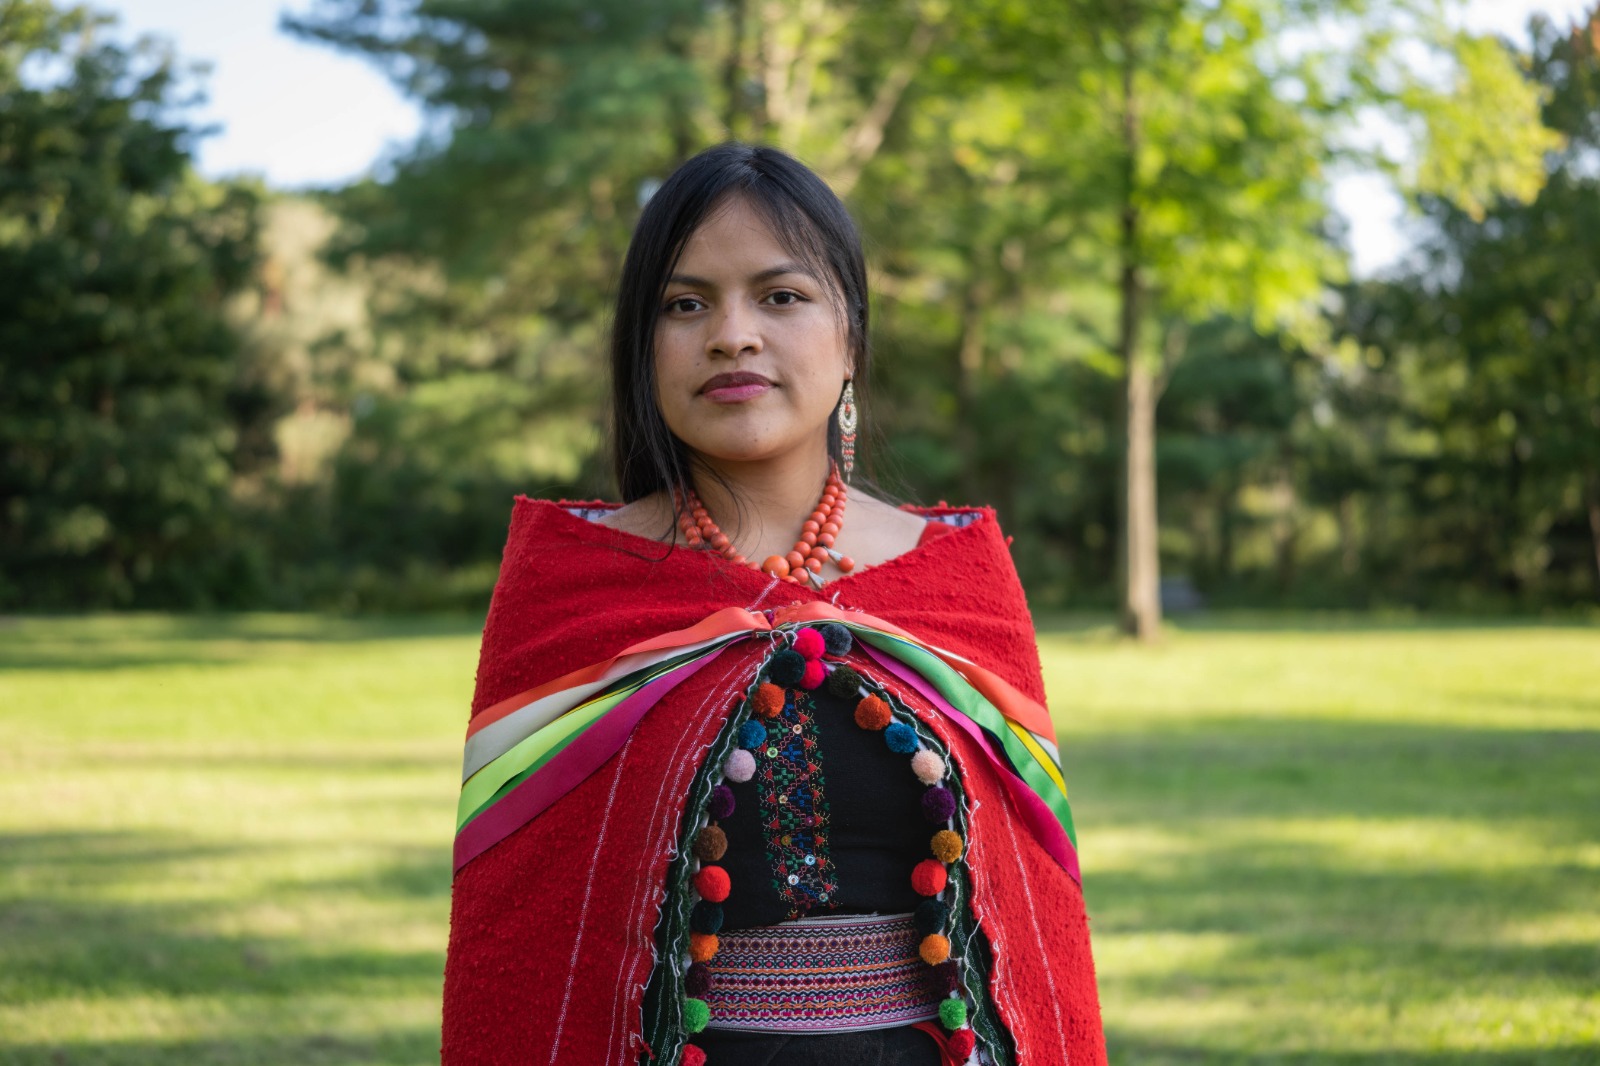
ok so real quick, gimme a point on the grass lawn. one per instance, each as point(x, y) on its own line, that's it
point(226, 840)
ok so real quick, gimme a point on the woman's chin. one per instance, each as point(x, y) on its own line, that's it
point(741, 451)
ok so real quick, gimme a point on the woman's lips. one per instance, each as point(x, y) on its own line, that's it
point(738, 386)
point(737, 393)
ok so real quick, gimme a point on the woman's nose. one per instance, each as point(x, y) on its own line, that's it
point(734, 330)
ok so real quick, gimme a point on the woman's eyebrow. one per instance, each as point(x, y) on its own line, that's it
point(756, 278)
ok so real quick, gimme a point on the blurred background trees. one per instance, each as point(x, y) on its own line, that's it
point(1104, 271)
point(126, 405)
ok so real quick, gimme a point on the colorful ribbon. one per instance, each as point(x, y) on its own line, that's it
point(529, 750)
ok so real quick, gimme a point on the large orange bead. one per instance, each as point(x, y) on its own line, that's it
point(719, 540)
point(795, 560)
point(825, 539)
point(830, 527)
point(814, 565)
point(776, 565)
point(846, 563)
point(810, 525)
point(819, 555)
point(808, 539)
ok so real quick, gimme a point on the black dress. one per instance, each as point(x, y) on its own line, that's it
point(830, 824)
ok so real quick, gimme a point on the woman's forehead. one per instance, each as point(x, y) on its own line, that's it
point(741, 236)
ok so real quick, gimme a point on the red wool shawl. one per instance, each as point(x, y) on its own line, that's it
point(556, 898)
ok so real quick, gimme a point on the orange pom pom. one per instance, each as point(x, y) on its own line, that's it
point(769, 700)
point(946, 845)
point(712, 883)
point(929, 877)
point(702, 946)
point(872, 713)
point(934, 949)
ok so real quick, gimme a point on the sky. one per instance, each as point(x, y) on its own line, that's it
point(301, 115)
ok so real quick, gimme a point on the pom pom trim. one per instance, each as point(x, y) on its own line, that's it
point(946, 845)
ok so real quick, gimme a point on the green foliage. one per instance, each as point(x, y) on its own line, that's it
point(339, 409)
point(118, 400)
point(1484, 390)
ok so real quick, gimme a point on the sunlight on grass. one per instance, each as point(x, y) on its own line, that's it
point(227, 839)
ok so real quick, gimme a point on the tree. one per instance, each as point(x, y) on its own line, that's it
point(1500, 319)
point(1224, 116)
point(118, 404)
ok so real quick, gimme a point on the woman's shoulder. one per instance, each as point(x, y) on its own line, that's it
point(648, 516)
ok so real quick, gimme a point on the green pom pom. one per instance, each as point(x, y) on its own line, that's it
point(696, 1014)
point(786, 668)
point(952, 1013)
point(843, 682)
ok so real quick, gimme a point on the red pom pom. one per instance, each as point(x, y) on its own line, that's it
point(809, 642)
point(814, 675)
point(928, 877)
point(693, 1056)
point(712, 882)
point(960, 1044)
point(872, 713)
point(769, 700)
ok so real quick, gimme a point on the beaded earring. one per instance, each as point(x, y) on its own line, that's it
point(847, 428)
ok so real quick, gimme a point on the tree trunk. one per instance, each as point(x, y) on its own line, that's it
point(969, 377)
point(1594, 505)
point(733, 71)
point(1138, 550)
point(1141, 603)
point(1227, 520)
point(1286, 532)
point(1349, 547)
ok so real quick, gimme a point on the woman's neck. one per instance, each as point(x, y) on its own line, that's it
point(777, 495)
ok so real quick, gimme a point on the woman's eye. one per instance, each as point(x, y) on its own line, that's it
point(793, 297)
point(677, 305)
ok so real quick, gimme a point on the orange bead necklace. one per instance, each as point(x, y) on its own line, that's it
point(811, 550)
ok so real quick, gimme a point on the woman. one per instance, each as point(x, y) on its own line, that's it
point(759, 770)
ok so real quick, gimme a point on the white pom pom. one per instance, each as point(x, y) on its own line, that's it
point(740, 767)
point(928, 767)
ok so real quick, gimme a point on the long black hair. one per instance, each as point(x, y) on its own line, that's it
point(807, 219)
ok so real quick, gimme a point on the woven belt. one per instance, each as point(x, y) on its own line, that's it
point(830, 974)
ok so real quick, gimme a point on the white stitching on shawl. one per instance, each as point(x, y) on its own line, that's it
point(675, 787)
point(588, 890)
point(1038, 937)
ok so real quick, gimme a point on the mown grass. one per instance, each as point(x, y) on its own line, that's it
point(226, 840)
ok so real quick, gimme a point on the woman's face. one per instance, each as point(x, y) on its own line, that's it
point(750, 355)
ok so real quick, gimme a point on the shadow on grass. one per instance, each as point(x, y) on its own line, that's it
point(1101, 626)
point(57, 940)
point(405, 1047)
point(1254, 885)
point(1129, 1050)
point(112, 642)
point(1245, 766)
